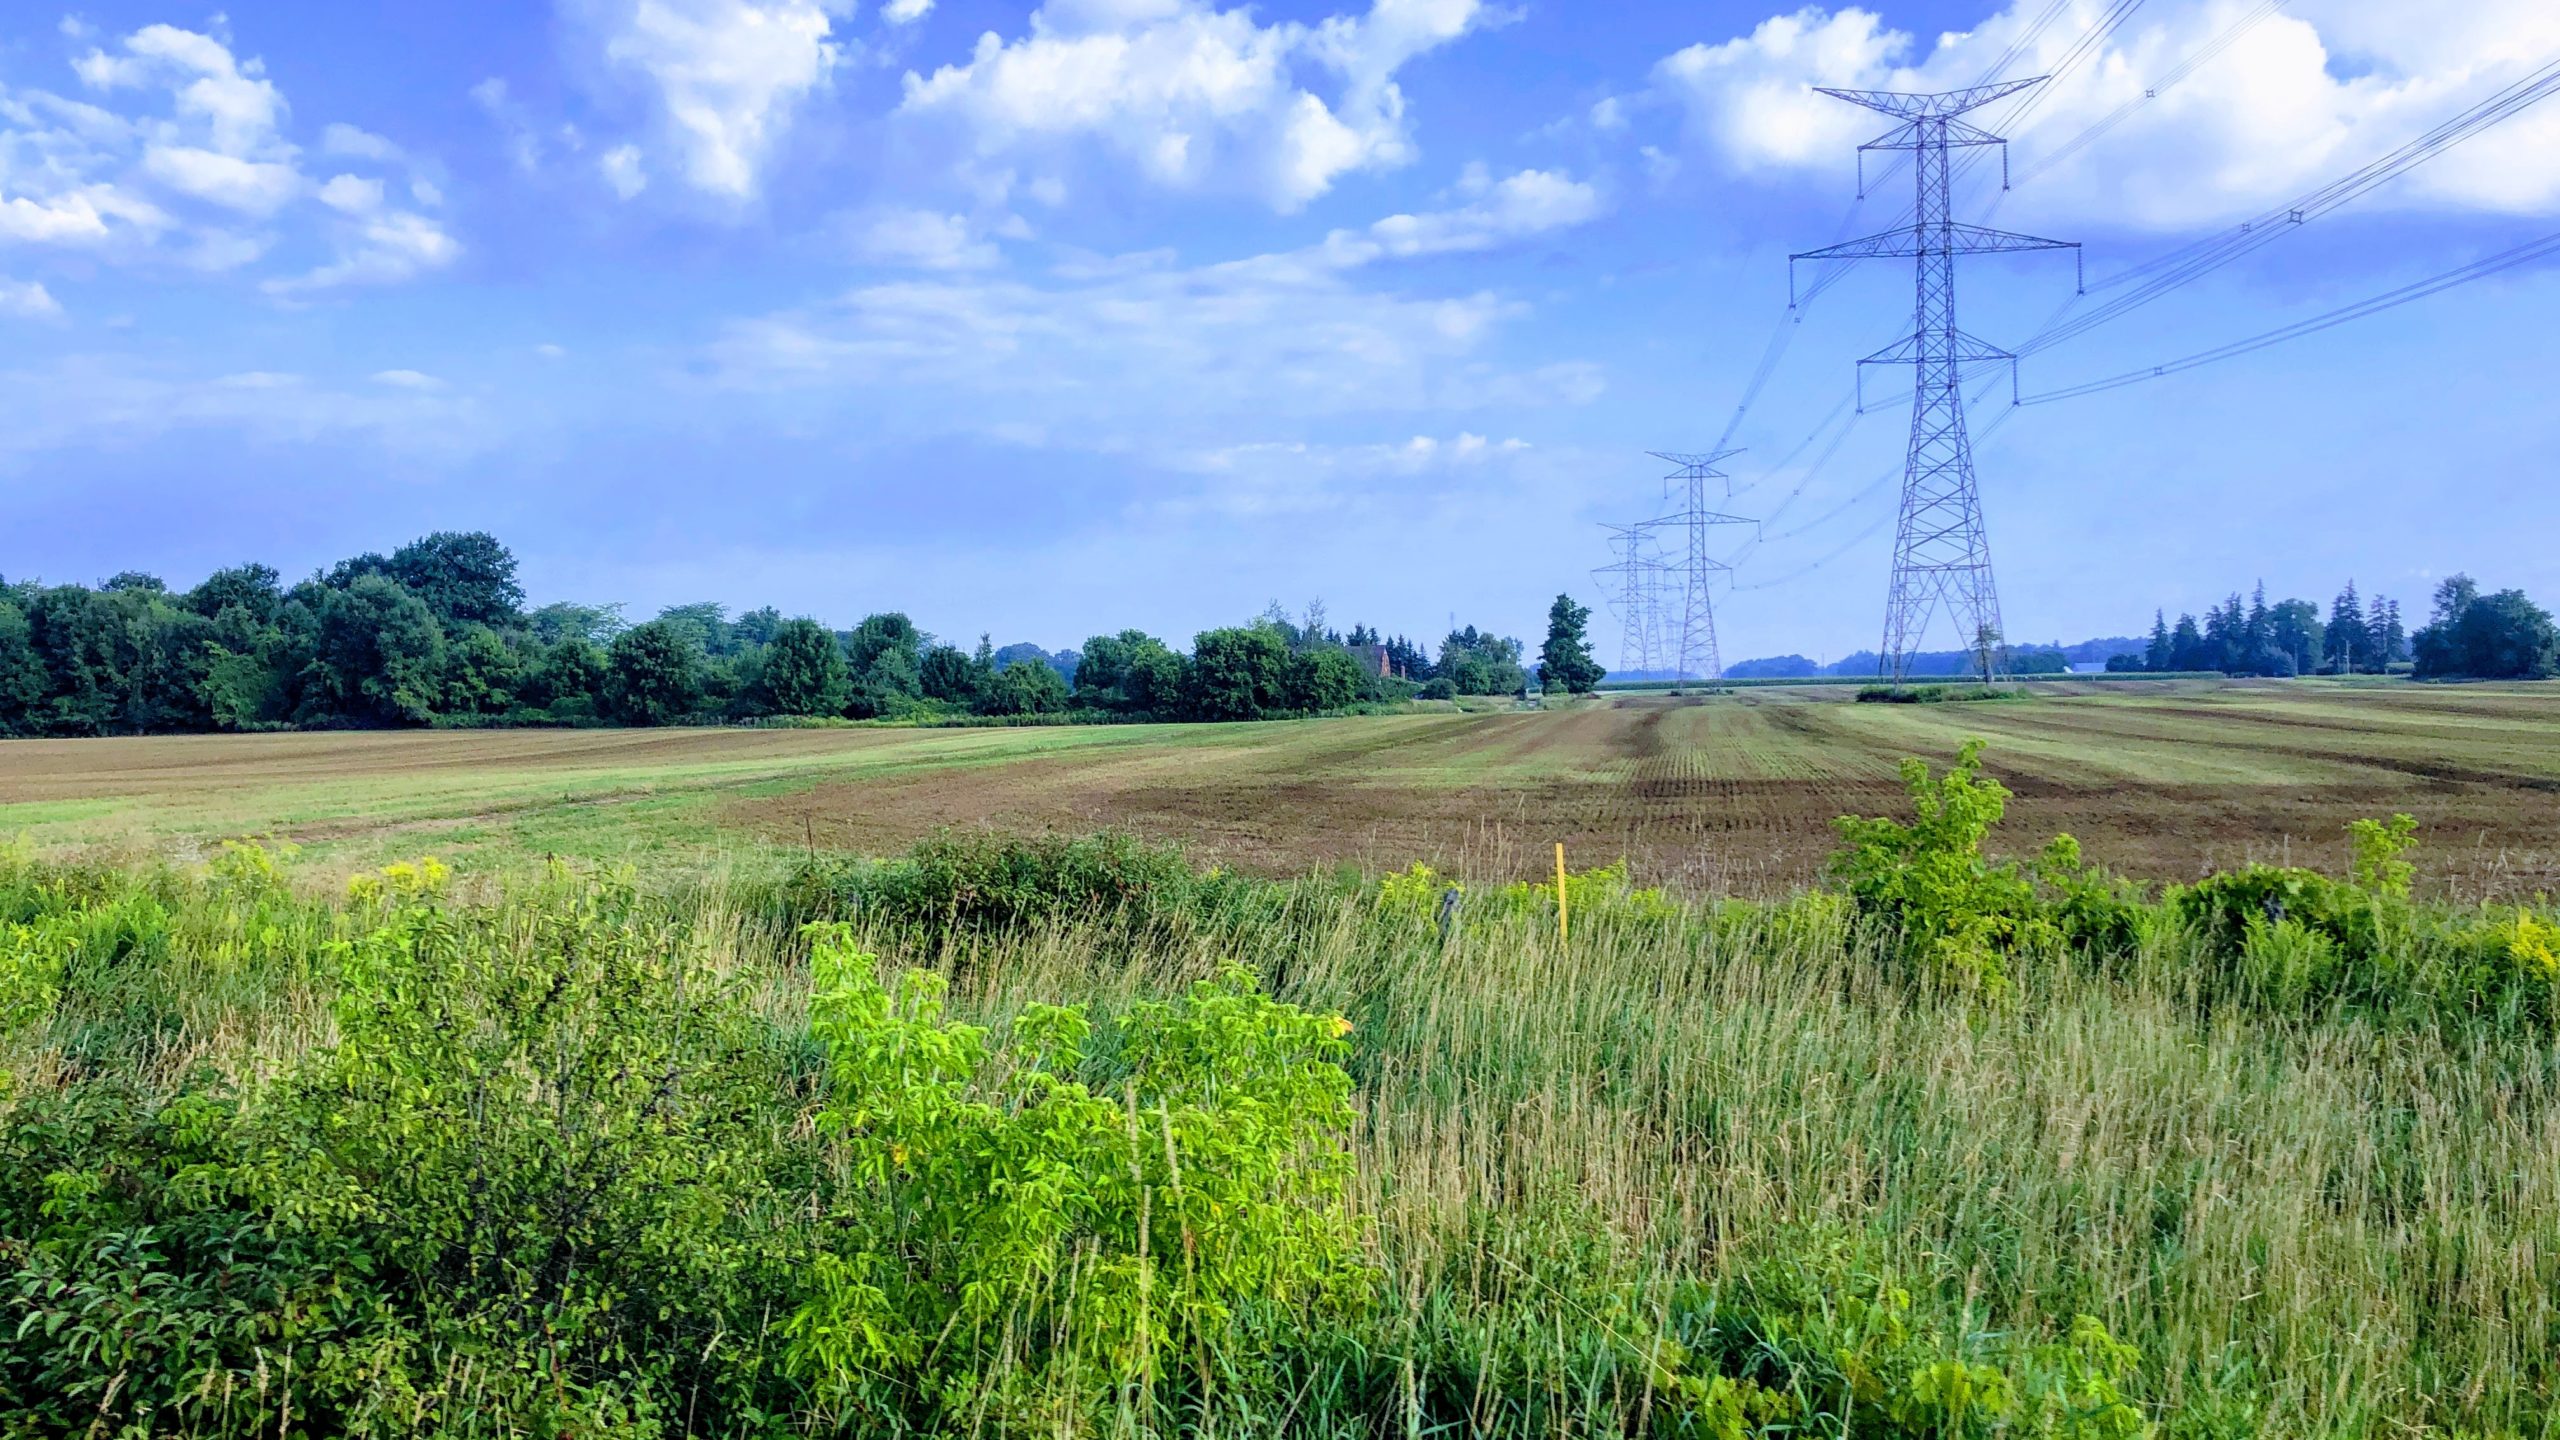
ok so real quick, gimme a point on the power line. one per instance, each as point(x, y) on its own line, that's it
point(1862, 536)
point(2168, 81)
point(2480, 269)
point(2158, 277)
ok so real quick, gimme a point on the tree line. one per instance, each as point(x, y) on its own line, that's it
point(2468, 635)
point(438, 632)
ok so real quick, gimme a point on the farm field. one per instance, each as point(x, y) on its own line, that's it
point(1726, 794)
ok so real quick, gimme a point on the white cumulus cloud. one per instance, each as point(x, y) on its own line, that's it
point(2286, 100)
point(187, 159)
point(726, 75)
point(924, 239)
point(1195, 96)
point(27, 300)
point(624, 170)
point(1529, 203)
point(253, 187)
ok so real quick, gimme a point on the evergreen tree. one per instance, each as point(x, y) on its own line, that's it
point(2159, 655)
point(1565, 660)
point(2186, 646)
point(2383, 634)
point(2346, 635)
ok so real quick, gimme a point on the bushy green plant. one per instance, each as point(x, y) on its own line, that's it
point(536, 1170)
point(1601, 896)
point(984, 884)
point(1853, 1350)
point(1415, 893)
point(32, 957)
point(1025, 1251)
point(1965, 919)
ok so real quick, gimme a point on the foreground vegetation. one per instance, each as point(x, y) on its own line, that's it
point(1070, 1137)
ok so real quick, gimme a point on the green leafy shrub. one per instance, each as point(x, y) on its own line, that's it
point(984, 885)
point(1962, 918)
point(1604, 896)
point(1022, 1250)
point(2291, 940)
point(32, 958)
point(1933, 694)
point(1846, 1342)
point(1414, 893)
point(537, 1172)
point(550, 1131)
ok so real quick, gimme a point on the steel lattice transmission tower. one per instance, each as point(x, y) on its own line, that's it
point(1689, 626)
point(1940, 554)
point(1636, 574)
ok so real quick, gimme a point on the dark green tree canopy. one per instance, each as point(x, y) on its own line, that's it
point(804, 671)
point(2503, 636)
point(465, 576)
point(380, 656)
point(1030, 688)
point(438, 632)
point(1565, 661)
point(1481, 663)
point(255, 589)
point(653, 675)
point(1240, 673)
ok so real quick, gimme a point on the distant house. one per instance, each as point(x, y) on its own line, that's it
point(2088, 667)
point(1372, 658)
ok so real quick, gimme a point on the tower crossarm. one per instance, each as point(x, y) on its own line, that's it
point(1911, 349)
point(1688, 461)
point(1942, 106)
point(1916, 136)
point(1911, 241)
point(1699, 517)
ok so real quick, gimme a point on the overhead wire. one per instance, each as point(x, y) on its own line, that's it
point(2090, 43)
point(2165, 274)
point(2480, 269)
point(1783, 336)
point(2168, 81)
point(1862, 536)
point(2089, 40)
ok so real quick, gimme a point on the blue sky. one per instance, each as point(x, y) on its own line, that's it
point(1049, 319)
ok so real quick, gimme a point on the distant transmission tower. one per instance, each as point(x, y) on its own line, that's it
point(1689, 624)
point(1940, 554)
point(1635, 575)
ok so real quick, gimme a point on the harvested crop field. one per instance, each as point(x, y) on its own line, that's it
point(1731, 793)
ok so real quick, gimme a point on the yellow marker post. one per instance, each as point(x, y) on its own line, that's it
point(1564, 928)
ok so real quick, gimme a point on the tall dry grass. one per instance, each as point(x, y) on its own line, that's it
point(2318, 1225)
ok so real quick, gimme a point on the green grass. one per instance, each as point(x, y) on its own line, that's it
point(2331, 1222)
point(2160, 781)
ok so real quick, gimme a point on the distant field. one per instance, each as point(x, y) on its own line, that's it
point(1727, 793)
